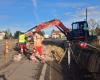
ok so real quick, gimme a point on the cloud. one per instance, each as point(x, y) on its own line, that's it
point(14, 3)
point(13, 28)
point(36, 15)
point(6, 2)
point(66, 5)
point(34, 2)
point(91, 11)
point(3, 17)
point(92, 7)
point(69, 14)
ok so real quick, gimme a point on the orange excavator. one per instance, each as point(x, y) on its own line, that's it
point(79, 32)
point(51, 23)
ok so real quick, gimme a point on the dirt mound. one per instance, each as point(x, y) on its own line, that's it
point(53, 51)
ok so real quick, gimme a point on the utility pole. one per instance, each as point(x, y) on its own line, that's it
point(86, 14)
point(86, 27)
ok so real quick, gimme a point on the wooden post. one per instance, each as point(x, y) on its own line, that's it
point(10, 44)
point(6, 51)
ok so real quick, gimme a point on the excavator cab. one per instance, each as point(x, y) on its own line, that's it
point(79, 31)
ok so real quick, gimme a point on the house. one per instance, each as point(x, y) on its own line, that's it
point(57, 34)
point(2, 35)
point(46, 36)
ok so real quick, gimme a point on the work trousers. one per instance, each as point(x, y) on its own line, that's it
point(22, 47)
point(38, 49)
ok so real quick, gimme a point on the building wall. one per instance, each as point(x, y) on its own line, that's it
point(2, 35)
point(57, 34)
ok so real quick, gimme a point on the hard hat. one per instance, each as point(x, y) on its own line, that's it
point(33, 30)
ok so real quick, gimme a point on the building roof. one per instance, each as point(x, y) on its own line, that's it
point(56, 31)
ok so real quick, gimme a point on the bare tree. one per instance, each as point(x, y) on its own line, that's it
point(8, 34)
point(98, 30)
point(92, 25)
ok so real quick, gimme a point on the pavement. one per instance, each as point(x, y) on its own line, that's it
point(23, 70)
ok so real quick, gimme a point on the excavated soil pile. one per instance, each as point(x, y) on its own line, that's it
point(53, 49)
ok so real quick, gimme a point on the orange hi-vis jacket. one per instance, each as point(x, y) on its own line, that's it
point(38, 40)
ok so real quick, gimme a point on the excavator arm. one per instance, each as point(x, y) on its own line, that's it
point(51, 23)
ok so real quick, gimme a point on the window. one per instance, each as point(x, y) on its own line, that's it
point(75, 26)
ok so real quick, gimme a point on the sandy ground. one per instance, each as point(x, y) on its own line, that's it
point(23, 70)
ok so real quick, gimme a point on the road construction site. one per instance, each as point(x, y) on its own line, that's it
point(84, 63)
